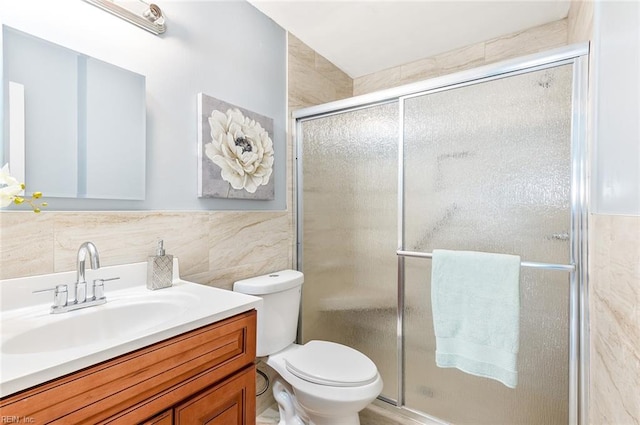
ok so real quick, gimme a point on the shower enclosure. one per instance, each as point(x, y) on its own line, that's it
point(490, 160)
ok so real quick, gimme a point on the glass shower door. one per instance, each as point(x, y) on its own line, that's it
point(349, 221)
point(487, 167)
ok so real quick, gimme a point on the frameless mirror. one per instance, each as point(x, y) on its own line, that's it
point(74, 126)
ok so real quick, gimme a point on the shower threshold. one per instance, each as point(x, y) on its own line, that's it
point(386, 413)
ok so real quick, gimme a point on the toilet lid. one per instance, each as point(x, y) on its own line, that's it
point(328, 363)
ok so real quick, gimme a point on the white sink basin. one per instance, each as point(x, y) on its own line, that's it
point(109, 321)
point(36, 346)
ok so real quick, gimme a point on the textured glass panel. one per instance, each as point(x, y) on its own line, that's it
point(349, 242)
point(487, 168)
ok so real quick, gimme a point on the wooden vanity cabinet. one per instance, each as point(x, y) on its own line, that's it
point(223, 404)
point(227, 403)
point(203, 376)
point(165, 418)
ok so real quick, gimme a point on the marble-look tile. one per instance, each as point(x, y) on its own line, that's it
point(26, 243)
point(301, 51)
point(128, 237)
point(580, 21)
point(238, 239)
point(343, 83)
point(459, 59)
point(307, 86)
point(305, 57)
point(204, 278)
point(543, 37)
point(614, 320)
point(419, 70)
point(378, 80)
point(532, 40)
point(446, 63)
point(240, 244)
point(224, 278)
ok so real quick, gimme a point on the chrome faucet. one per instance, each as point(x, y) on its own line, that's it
point(82, 291)
point(79, 294)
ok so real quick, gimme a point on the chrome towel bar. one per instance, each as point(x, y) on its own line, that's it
point(546, 266)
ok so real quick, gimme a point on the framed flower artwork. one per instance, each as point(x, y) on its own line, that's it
point(235, 151)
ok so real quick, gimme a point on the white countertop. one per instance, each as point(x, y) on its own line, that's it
point(26, 321)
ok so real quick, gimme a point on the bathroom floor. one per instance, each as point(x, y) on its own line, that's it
point(372, 415)
point(269, 416)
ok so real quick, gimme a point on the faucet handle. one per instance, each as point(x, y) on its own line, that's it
point(98, 287)
point(60, 295)
point(81, 292)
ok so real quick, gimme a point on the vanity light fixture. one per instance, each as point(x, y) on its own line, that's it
point(146, 16)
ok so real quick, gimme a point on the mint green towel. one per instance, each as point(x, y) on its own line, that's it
point(475, 298)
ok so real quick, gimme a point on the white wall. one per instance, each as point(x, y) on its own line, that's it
point(616, 176)
point(226, 49)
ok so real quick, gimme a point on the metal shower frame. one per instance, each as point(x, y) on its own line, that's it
point(576, 55)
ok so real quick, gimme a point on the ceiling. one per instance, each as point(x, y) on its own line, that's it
point(362, 37)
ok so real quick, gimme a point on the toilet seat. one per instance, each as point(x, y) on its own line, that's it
point(331, 364)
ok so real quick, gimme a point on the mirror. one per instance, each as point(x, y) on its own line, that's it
point(74, 126)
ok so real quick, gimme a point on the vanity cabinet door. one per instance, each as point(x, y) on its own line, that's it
point(165, 418)
point(232, 402)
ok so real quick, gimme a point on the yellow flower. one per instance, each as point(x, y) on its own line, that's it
point(10, 190)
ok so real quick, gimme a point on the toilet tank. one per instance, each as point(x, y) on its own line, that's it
point(278, 315)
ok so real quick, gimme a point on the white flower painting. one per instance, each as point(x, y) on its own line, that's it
point(236, 152)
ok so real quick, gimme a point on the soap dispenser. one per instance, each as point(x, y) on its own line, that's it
point(159, 269)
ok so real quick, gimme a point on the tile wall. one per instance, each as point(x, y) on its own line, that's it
point(314, 80)
point(614, 298)
point(533, 40)
point(214, 248)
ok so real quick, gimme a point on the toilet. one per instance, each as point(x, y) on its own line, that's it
point(322, 383)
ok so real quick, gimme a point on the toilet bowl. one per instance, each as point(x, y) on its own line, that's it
point(321, 382)
point(331, 382)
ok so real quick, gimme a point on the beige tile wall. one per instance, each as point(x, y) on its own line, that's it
point(580, 21)
point(614, 283)
point(533, 40)
point(214, 248)
point(313, 80)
